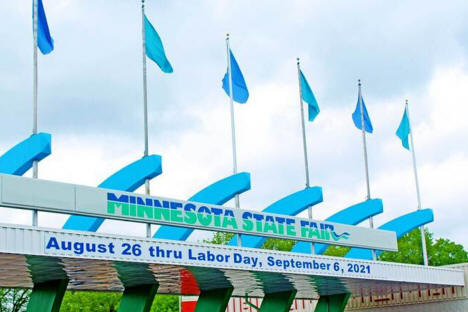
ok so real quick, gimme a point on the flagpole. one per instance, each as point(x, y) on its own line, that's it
point(366, 165)
point(35, 83)
point(233, 127)
point(145, 102)
point(421, 228)
point(304, 143)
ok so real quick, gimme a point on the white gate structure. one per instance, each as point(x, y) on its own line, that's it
point(53, 260)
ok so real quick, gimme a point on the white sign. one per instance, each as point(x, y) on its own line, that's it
point(20, 192)
point(164, 252)
point(79, 245)
point(106, 247)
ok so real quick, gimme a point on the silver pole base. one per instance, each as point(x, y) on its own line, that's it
point(148, 230)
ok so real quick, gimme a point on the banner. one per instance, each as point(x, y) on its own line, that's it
point(20, 192)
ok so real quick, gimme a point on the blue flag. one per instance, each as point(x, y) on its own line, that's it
point(404, 130)
point(154, 48)
point(240, 94)
point(44, 40)
point(308, 97)
point(357, 115)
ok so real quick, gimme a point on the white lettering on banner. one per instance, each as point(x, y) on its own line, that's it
point(165, 252)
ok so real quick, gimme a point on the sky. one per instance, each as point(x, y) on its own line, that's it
point(90, 99)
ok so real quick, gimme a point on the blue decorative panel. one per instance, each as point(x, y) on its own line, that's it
point(217, 193)
point(20, 158)
point(401, 225)
point(290, 205)
point(352, 215)
point(128, 179)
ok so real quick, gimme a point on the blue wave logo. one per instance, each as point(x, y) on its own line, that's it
point(337, 237)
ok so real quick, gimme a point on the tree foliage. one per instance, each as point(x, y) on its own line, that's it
point(13, 299)
point(219, 238)
point(222, 238)
point(88, 301)
point(278, 244)
point(165, 303)
point(440, 252)
point(336, 251)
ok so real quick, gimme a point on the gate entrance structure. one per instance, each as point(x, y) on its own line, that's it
point(52, 260)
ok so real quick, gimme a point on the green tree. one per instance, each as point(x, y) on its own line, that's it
point(278, 244)
point(221, 238)
point(89, 301)
point(165, 303)
point(336, 251)
point(440, 252)
point(13, 299)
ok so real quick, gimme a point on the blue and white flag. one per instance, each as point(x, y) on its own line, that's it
point(155, 49)
point(44, 40)
point(357, 115)
point(308, 97)
point(240, 94)
point(404, 130)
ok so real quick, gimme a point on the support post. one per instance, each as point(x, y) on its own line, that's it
point(333, 303)
point(145, 102)
point(35, 75)
point(278, 301)
point(47, 296)
point(138, 298)
point(215, 300)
